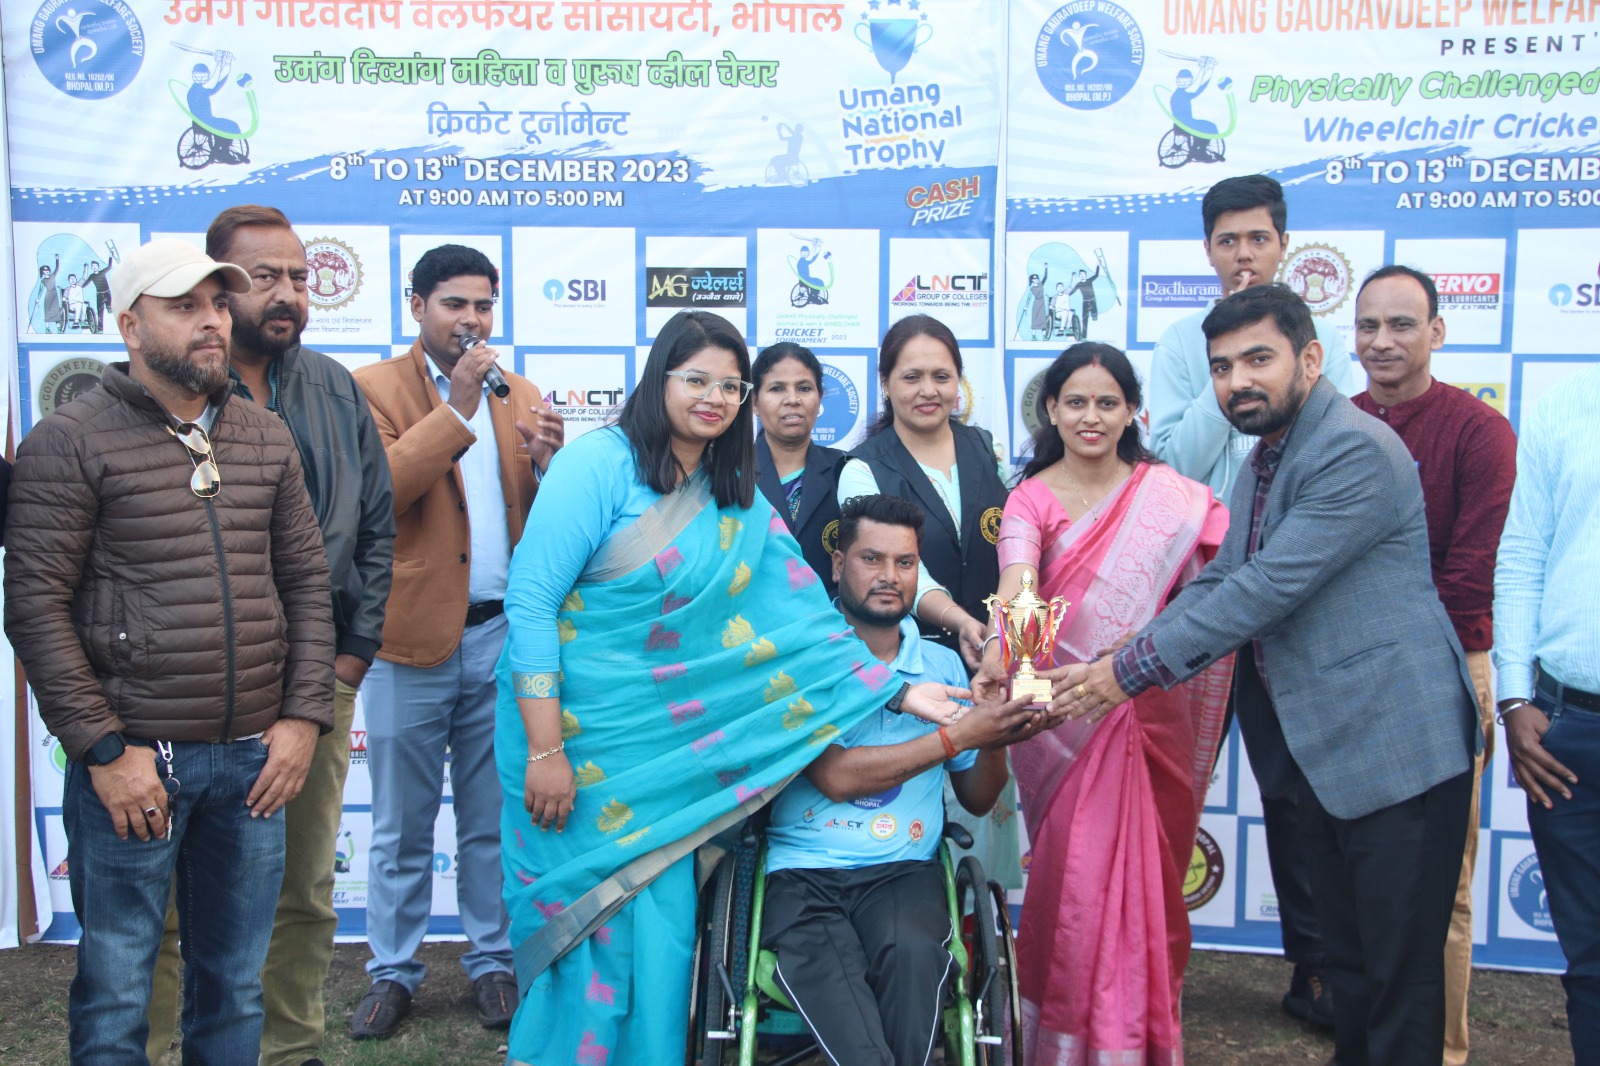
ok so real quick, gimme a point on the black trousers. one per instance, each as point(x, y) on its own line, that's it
point(1386, 886)
point(864, 954)
point(1280, 816)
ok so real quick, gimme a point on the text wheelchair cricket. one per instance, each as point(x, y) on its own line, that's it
point(982, 1013)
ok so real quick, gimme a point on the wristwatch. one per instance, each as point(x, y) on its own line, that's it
point(108, 748)
point(896, 702)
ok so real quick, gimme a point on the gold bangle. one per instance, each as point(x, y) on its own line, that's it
point(546, 754)
point(945, 614)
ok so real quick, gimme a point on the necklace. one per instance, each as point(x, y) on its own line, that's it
point(1088, 508)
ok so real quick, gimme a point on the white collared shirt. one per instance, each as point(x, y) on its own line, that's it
point(486, 500)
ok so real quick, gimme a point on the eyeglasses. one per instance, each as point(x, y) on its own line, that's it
point(700, 386)
point(206, 481)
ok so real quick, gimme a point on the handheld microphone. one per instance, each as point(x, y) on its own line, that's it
point(491, 377)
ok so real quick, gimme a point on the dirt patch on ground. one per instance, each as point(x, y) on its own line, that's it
point(1231, 1014)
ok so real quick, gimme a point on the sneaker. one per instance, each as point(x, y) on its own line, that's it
point(378, 1014)
point(1310, 997)
point(496, 994)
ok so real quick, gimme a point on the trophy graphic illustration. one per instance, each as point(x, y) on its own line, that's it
point(893, 40)
point(1027, 628)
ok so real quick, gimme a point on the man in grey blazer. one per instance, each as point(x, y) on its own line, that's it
point(1351, 687)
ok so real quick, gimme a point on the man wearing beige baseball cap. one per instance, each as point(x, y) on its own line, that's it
point(167, 593)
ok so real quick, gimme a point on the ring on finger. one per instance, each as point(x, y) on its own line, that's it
point(151, 812)
point(1081, 691)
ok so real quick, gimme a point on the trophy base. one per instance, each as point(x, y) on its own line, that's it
point(1036, 687)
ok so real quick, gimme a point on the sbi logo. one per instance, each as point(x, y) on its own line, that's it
point(441, 862)
point(578, 290)
point(1561, 295)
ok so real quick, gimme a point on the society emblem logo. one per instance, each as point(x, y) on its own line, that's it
point(68, 380)
point(1525, 888)
point(841, 407)
point(883, 826)
point(1320, 275)
point(1033, 414)
point(334, 273)
point(989, 524)
point(1203, 879)
point(89, 49)
point(1089, 54)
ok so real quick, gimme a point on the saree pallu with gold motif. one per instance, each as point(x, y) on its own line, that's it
point(701, 665)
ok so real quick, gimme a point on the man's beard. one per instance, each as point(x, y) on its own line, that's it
point(202, 380)
point(858, 608)
point(252, 336)
point(1269, 417)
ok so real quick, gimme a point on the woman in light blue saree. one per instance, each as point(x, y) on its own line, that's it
point(672, 662)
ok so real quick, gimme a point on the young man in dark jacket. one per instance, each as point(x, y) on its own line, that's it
point(347, 477)
point(167, 594)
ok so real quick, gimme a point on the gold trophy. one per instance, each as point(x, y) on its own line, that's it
point(1027, 629)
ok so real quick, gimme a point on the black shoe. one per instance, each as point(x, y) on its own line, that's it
point(496, 994)
point(1310, 997)
point(380, 1011)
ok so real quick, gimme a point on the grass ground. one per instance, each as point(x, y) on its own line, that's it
point(1231, 1015)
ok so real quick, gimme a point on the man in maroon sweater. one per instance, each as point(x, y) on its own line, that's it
point(1467, 457)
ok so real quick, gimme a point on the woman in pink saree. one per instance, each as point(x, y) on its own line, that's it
point(1111, 806)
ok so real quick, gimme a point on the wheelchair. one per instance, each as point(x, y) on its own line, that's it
point(734, 989)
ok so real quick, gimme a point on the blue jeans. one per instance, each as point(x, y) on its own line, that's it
point(1567, 838)
point(413, 715)
point(228, 868)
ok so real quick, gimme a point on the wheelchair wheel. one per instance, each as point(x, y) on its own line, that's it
point(722, 958)
point(1008, 976)
point(984, 982)
point(1174, 149)
point(194, 148)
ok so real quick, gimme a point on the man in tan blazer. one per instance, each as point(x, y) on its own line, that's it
point(465, 457)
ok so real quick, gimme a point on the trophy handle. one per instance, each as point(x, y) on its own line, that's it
point(1000, 617)
point(1058, 611)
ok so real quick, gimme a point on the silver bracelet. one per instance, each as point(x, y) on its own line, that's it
point(546, 754)
point(985, 645)
point(1501, 712)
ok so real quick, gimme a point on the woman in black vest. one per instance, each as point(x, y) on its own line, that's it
point(917, 450)
point(796, 476)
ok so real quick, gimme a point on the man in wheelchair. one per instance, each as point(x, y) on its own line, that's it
point(855, 905)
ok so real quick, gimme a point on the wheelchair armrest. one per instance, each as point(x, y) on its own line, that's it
point(958, 834)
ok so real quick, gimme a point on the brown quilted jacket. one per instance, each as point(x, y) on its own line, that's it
point(136, 606)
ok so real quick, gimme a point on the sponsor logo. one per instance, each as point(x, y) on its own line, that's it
point(358, 747)
point(1525, 887)
point(841, 406)
point(1491, 393)
point(1468, 291)
point(851, 824)
point(872, 803)
point(943, 201)
point(694, 287)
point(68, 380)
point(943, 290)
point(88, 49)
point(1205, 874)
point(1584, 295)
point(333, 273)
point(1320, 275)
point(576, 292)
point(582, 397)
point(809, 815)
point(1089, 54)
point(914, 830)
point(344, 850)
point(1033, 402)
point(59, 872)
point(884, 826)
point(442, 863)
point(1178, 290)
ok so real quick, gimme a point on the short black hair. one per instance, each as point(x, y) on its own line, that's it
point(447, 261)
point(1249, 306)
point(774, 354)
point(730, 460)
point(1241, 194)
point(883, 509)
point(1395, 270)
